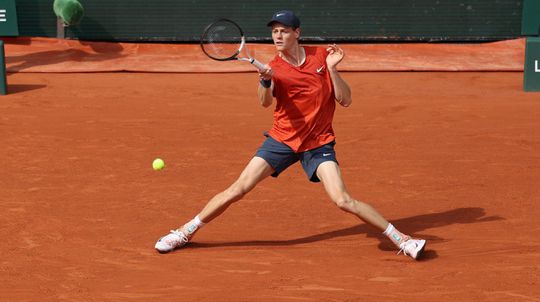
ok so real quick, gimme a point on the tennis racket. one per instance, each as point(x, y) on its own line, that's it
point(224, 40)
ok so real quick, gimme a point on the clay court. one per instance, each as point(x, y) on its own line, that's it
point(452, 157)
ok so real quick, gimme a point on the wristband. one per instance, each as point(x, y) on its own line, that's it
point(266, 83)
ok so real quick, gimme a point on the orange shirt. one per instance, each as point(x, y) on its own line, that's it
point(305, 101)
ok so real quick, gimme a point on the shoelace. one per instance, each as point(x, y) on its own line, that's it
point(183, 237)
point(403, 249)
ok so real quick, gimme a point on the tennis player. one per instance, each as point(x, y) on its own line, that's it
point(306, 85)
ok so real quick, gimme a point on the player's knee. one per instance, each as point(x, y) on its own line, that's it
point(236, 192)
point(344, 202)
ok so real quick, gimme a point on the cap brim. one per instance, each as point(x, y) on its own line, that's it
point(275, 21)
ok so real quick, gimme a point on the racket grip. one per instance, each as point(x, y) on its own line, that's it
point(260, 66)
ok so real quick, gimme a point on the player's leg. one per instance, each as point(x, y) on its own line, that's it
point(255, 171)
point(330, 175)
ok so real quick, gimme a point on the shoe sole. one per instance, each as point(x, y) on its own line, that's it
point(420, 252)
point(164, 252)
point(168, 251)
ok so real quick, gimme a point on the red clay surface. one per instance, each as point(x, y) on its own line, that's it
point(54, 55)
point(450, 157)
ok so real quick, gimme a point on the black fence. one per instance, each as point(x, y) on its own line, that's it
point(335, 20)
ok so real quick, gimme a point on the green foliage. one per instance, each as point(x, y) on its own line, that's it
point(70, 11)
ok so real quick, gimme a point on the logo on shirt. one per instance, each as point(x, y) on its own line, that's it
point(327, 154)
point(320, 69)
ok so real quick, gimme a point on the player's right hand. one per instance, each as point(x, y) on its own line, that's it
point(266, 74)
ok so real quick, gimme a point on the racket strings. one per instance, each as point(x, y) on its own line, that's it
point(222, 40)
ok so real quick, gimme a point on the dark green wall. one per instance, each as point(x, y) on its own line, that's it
point(323, 20)
point(36, 18)
point(531, 17)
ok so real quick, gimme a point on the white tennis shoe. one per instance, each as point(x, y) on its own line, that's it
point(413, 247)
point(175, 239)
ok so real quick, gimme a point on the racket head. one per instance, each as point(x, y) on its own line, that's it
point(222, 40)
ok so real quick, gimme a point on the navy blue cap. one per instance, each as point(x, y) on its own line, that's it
point(285, 17)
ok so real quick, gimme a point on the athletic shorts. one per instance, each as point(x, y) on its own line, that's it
point(280, 156)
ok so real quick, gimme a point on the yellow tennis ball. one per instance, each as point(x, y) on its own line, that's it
point(158, 164)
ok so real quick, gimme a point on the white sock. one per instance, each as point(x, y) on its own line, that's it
point(396, 236)
point(197, 221)
point(192, 226)
point(389, 229)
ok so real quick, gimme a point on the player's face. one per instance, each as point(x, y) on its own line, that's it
point(285, 38)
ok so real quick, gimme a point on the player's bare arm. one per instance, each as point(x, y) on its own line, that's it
point(342, 90)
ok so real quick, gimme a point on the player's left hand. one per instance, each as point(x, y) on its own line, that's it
point(335, 55)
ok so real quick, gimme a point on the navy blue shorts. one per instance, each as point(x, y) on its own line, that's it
point(280, 156)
